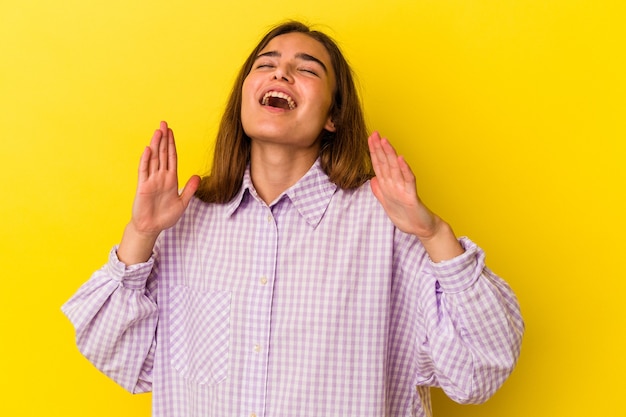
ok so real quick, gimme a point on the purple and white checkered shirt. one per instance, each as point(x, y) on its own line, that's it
point(314, 306)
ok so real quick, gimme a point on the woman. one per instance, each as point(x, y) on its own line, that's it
point(295, 282)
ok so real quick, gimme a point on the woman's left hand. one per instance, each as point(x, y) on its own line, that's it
point(395, 187)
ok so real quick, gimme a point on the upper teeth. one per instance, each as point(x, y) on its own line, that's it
point(278, 94)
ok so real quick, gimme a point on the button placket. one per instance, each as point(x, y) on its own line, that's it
point(260, 304)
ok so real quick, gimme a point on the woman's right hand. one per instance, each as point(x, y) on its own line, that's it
point(158, 205)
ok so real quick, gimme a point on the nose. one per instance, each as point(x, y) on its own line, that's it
point(282, 73)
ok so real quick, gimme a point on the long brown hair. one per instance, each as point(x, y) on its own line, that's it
point(344, 154)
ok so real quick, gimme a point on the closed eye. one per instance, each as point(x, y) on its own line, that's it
point(310, 71)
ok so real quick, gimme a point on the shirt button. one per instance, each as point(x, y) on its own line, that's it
point(257, 348)
point(252, 414)
point(263, 280)
point(269, 218)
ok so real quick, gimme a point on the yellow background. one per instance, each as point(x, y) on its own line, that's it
point(511, 113)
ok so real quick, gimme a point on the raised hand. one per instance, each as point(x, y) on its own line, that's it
point(395, 187)
point(158, 204)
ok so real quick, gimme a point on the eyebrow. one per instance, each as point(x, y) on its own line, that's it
point(301, 55)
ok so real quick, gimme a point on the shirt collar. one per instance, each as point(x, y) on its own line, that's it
point(311, 195)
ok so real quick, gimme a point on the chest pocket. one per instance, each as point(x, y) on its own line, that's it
point(199, 334)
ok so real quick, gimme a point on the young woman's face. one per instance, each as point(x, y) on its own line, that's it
point(287, 95)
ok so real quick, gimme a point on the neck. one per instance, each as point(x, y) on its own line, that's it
point(274, 169)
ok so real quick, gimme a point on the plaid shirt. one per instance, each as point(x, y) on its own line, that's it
point(313, 306)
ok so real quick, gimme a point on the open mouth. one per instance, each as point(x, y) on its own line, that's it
point(278, 100)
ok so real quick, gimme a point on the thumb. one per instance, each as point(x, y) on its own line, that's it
point(375, 186)
point(190, 189)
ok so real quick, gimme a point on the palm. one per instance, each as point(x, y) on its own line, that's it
point(394, 186)
point(158, 204)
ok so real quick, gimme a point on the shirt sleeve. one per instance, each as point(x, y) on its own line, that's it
point(115, 316)
point(470, 326)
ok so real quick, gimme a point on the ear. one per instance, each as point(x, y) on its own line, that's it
point(330, 125)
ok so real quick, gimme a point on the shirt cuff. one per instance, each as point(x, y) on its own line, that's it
point(133, 277)
point(458, 274)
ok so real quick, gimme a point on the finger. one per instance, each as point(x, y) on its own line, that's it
point(154, 152)
point(388, 167)
point(395, 173)
point(163, 145)
point(407, 175)
point(172, 158)
point(379, 160)
point(144, 164)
